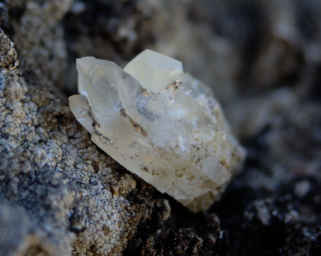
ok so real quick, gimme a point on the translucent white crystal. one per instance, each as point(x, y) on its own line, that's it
point(159, 123)
point(154, 71)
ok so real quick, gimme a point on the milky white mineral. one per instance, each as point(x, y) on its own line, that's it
point(160, 123)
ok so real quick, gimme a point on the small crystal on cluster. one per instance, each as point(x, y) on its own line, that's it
point(160, 123)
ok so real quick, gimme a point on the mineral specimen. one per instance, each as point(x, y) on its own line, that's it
point(160, 123)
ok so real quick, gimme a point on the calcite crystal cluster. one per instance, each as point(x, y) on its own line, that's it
point(160, 123)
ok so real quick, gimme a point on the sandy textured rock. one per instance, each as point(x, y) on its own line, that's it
point(14, 239)
point(70, 197)
point(166, 126)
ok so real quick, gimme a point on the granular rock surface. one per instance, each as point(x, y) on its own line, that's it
point(60, 195)
point(70, 196)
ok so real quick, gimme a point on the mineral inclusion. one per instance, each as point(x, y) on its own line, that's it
point(160, 123)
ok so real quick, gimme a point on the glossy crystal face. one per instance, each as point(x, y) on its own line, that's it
point(160, 123)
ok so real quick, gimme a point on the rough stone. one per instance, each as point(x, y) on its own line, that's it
point(59, 195)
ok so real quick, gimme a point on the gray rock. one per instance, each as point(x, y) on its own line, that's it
point(71, 196)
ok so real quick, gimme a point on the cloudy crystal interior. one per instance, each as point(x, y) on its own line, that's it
point(160, 123)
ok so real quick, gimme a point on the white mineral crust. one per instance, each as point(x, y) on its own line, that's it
point(160, 123)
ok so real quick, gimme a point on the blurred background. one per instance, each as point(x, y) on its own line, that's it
point(263, 61)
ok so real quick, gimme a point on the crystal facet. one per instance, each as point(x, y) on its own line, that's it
point(154, 71)
point(160, 123)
